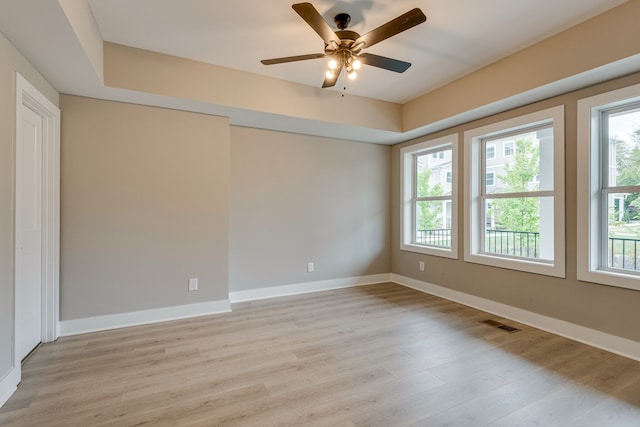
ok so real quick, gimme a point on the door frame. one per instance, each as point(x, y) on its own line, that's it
point(28, 96)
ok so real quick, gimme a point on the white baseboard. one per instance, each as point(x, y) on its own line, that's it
point(134, 318)
point(303, 288)
point(611, 343)
point(9, 384)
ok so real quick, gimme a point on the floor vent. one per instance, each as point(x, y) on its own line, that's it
point(502, 326)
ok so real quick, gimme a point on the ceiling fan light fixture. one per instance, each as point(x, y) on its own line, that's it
point(343, 47)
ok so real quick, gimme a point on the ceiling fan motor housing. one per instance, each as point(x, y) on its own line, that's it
point(342, 20)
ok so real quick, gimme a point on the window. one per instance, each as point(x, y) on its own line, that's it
point(513, 220)
point(490, 151)
point(508, 149)
point(490, 179)
point(429, 188)
point(609, 188)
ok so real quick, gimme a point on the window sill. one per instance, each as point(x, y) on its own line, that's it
point(536, 267)
point(430, 250)
point(610, 278)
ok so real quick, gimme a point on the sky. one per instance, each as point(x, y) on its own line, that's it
point(623, 125)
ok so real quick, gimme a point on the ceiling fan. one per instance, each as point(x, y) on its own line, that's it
point(344, 47)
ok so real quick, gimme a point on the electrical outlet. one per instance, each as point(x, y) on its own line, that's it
point(421, 266)
point(310, 267)
point(193, 284)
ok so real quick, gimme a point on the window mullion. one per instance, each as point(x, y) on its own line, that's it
point(523, 194)
point(432, 198)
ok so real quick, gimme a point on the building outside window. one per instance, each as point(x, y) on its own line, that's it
point(508, 149)
point(490, 151)
point(490, 179)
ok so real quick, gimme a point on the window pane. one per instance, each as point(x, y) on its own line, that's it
point(433, 223)
point(624, 148)
point(623, 246)
point(521, 227)
point(529, 167)
point(431, 174)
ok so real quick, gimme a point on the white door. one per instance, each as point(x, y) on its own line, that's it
point(29, 233)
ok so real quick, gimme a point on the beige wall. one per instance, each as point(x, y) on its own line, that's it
point(144, 207)
point(10, 62)
point(136, 69)
point(298, 199)
point(604, 308)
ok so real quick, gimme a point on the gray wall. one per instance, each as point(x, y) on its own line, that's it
point(604, 308)
point(151, 197)
point(10, 62)
point(298, 199)
point(144, 207)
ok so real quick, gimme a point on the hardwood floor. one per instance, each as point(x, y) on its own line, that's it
point(379, 355)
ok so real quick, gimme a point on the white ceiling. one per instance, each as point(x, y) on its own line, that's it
point(459, 36)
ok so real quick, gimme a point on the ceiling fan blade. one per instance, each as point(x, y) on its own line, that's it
point(384, 62)
point(393, 27)
point(317, 22)
point(292, 58)
point(331, 81)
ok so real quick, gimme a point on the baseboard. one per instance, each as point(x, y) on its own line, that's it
point(135, 318)
point(611, 343)
point(303, 288)
point(9, 384)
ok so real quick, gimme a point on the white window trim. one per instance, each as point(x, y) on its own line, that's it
point(473, 143)
point(406, 183)
point(588, 188)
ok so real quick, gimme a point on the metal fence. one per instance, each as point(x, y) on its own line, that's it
point(436, 237)
point(516, 243)
point(623, 253)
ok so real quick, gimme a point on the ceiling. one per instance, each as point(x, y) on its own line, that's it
point(459, 37)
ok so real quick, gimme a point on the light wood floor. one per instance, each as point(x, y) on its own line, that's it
point(380, 355)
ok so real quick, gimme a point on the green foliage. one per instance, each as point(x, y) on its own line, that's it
point(521, 214)
point(427, 217)
point(628, 173)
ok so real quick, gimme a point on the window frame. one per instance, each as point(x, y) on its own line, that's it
point(474, 165)
point(590, 159)
point(407, 188)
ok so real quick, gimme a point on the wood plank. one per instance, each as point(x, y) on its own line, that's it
point(372, 355)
